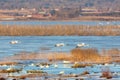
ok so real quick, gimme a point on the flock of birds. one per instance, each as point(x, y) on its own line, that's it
point(11, 67)
point(79, 45)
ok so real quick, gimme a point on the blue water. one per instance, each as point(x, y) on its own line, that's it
point(90, 23)
point(47, 43)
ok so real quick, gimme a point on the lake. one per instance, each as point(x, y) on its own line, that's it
point(47, 43)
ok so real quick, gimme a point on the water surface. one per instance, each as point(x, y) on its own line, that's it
point(47, 43)
point(90, 23)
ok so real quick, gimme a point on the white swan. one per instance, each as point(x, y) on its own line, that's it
point(61, 72)
point(14, 42)
point(4, 65)
point(55, 65)
point(32, 64)
point(66, 62)
point(41, 66)
point(81, 45)
point(9, 69)
point(59, 44)
point(47, 66)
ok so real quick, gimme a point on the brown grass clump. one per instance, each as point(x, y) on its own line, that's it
point(85, 72)
point(85, 54)
point(59, 30)
point(81, 65)
point(114, 54)
point(10, 71)
point(35, 71)
point(106, 73)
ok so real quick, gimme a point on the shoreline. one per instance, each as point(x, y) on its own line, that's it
point(83, 18)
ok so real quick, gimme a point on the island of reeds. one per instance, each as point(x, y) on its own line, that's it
point(59, 30)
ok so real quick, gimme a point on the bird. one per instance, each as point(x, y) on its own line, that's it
point(14, 42)
point(81, 45)
point(32, 64)
point(55, 65)
point(47, 66)
point(66, 62)
point(59, 44)
point(41, 66)
point(61, 72)
point(4, 65)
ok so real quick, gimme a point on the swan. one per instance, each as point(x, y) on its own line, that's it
point(41, 66)
point(14, 42)
point(66, 62)
point(32, 64)
point(47, 66)
point(9, 69)
point(4, 65)
point(61, 72)
point(81, 45)
point(55, 65)
point(59, 44)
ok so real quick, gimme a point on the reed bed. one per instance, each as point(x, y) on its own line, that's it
point(114, 54)
point(59, 30)
point(36, 56)
point(78, 54)
point(85, 54)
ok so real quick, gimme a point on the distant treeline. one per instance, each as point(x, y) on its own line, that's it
point(110, 5)
point(59, 30)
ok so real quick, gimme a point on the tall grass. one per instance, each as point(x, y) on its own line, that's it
point(85, 54)
point(77, 54)
point(59, 30)
point(89, 55)
point(114, 54)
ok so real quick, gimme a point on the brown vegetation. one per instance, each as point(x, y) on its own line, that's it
point(59, 30)
point(8, 63)
point(106, 73)
point(34, 56)
point(81, 65)
point(114, 54)
point(35, 71)
point(9, 71)
point(85, 54)
point(81, 55)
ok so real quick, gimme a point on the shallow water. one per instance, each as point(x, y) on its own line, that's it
point(91, 23)
point(47, 43)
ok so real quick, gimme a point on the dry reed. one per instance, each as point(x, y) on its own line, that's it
point(59, 30)
point(85, 54)
point(78, 54)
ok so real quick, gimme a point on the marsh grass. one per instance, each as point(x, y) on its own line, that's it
point(59, 30)
point(114, 54)
point(89, 55)
point(35, 56)
point(86, 55)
